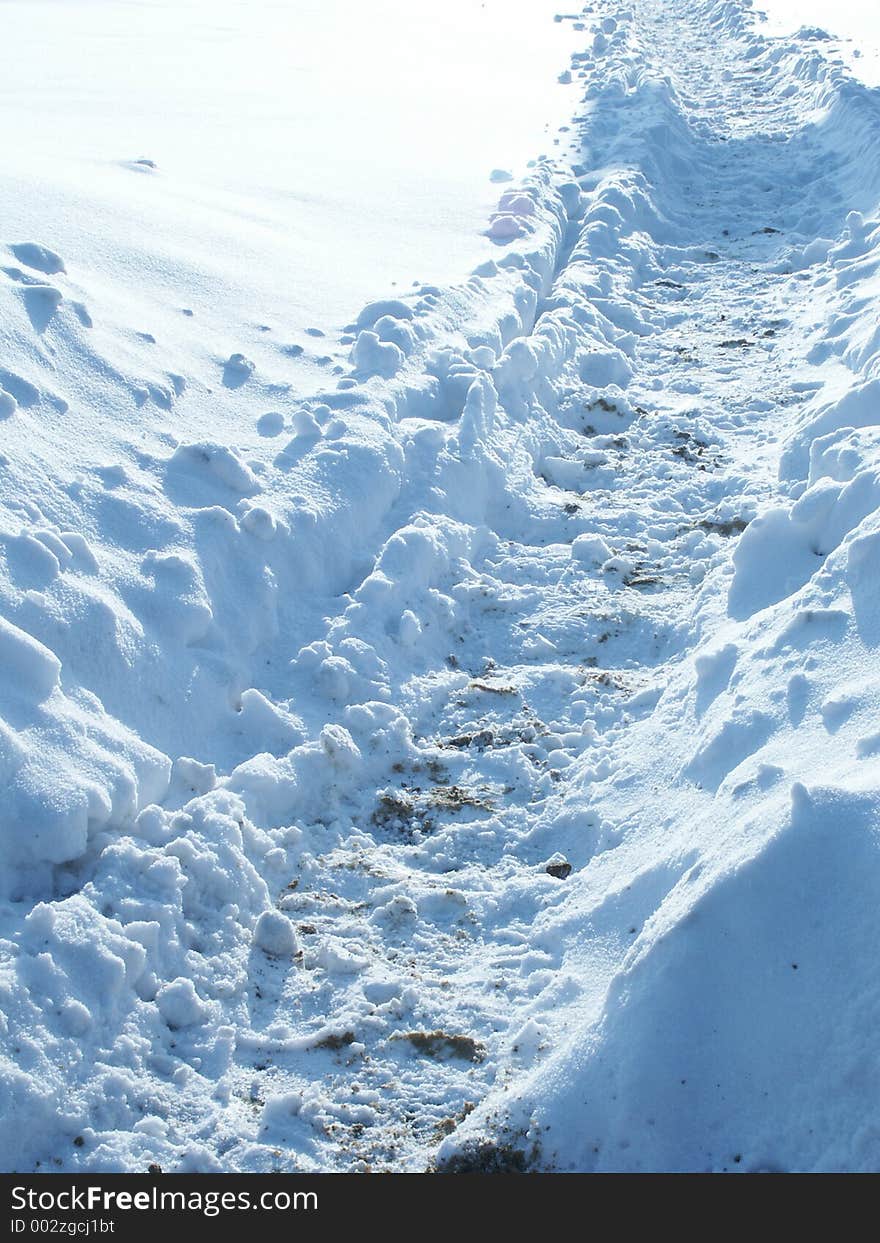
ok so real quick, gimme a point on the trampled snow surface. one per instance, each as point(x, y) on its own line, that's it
point(467, 759)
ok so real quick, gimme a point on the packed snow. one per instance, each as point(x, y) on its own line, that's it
point(441, 733)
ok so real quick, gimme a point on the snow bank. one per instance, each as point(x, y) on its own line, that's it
point(154, 773)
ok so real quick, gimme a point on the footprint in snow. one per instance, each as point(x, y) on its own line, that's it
point(38, 257)
point(271, 424)
point(22, 278)
point(237, 370)
point(25, 393)
point(140, 166)
point(41, 302)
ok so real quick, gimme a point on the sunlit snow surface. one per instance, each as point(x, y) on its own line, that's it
point(307, 154)
point(451, 741)
point(852, 25)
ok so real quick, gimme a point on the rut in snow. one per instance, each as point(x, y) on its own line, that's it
point(649, 461)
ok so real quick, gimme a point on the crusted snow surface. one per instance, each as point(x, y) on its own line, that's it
point(473, 765)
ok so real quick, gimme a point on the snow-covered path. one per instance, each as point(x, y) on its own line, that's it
point(534, 823)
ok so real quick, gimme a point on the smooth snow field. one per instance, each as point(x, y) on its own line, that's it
point(304, 155)
point(439, 721)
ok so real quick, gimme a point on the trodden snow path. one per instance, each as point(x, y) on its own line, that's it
point(543, 631)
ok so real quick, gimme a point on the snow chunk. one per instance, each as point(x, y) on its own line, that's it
point(409, 630)
point(374, 311)
point(180, 1005)
point(590, 550)
point(274, 934)
point(504, 227)
point(305, 424)
point(193, 778)
point(75, 1018)
point(338, 959)
point(220, 461)
point(279, 1111)
point(258, 521)
point(339, 746)
point(374, 357)
point(29, 669)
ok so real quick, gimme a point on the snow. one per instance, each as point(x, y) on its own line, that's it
point(232, 141)
point(274, 934)
point(460, 753)
point(851, 27)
